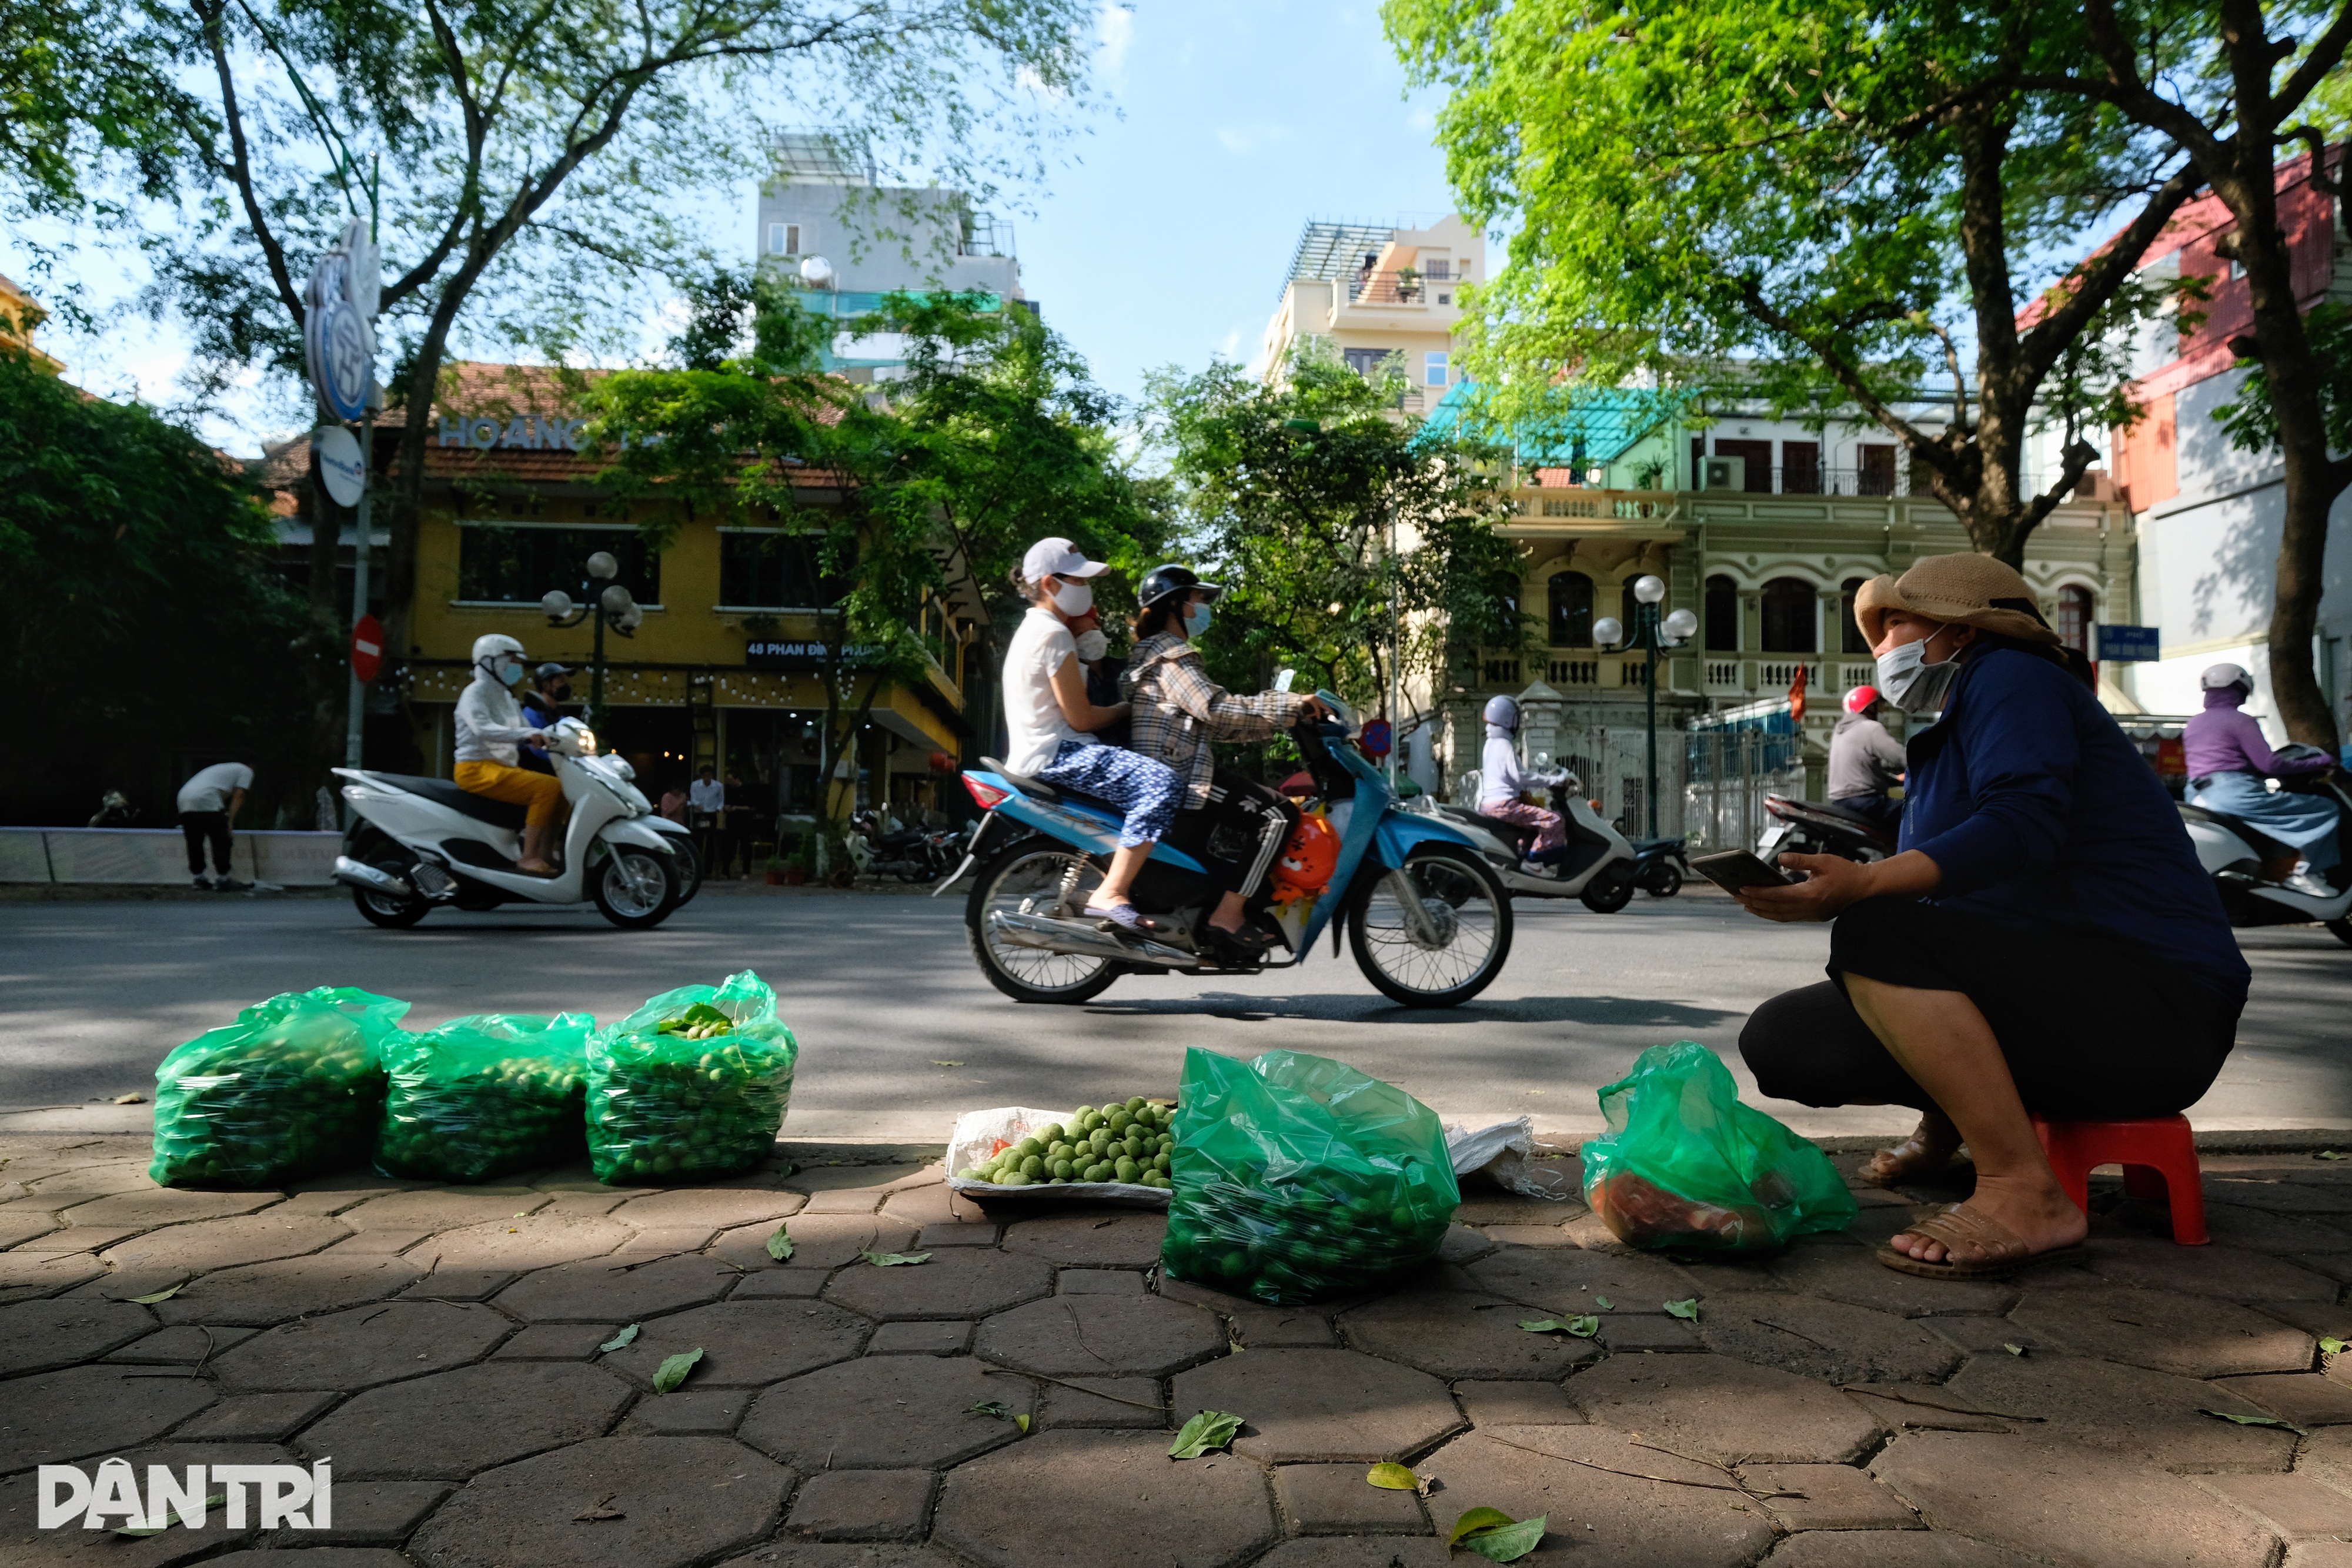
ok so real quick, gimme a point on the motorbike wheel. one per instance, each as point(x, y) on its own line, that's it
point(1662, 880)
point(634, 888)
point(2342, 930)
point(1610, 890)
point(392, 914)
point(1445, 968)
point(1034, 876)
point(687, 861)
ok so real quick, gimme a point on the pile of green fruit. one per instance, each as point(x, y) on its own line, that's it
point(1321, 1233)
point(665, 1100)
point(1133, 1142)
point(293, 1088)
point(481, 1096)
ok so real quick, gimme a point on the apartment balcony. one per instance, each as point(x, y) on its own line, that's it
point(1811, 479)
point(1828, 677)
point(1401, 288)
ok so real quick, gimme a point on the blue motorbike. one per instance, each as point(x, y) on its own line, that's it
point(1428, 922)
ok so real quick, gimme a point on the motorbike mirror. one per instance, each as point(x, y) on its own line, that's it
point(1283, 678)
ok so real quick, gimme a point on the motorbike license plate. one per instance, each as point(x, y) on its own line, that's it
point(1773, 833)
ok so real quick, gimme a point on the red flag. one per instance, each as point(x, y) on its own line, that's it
point(1797, 696)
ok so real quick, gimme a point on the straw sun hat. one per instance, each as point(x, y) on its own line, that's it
point(1973, 590)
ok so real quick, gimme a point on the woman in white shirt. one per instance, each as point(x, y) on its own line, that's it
point(1501, 782)
point(1048, 720)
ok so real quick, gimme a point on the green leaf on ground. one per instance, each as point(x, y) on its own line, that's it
point(2328, 1154)
point(1603, 1302)
point(1687, 1309)
point(2012, 1349)
point(1543, 1325)
point(159, 1295)
point(780, 1246)
point(2332, 1346)
point(2255, 1421)
point(619, 1340)
point(1393, 1478)
point(892, 1259)
point(1509, 1543)
point(211, 1503)
point(1210, 1429)
point(1476, 1519)
point(1021, 1421)
point(994, 1407)
point(674, 1370)
point(1584, 1327)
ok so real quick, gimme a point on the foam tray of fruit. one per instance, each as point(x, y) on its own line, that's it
point(1118, 1154)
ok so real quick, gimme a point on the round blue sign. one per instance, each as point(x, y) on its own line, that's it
point(1378, 738)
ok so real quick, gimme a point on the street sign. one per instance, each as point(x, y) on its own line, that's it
point(2128, 644)
point(1378, 738)
point(339, 326)
point(761, 654)
point(367, 650)
point(340, 465)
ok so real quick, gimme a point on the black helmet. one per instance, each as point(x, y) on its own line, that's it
point(1161, 581)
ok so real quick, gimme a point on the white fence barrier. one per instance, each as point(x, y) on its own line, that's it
point(158, 856)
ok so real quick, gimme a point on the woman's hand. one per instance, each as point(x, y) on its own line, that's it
point(1831, 882)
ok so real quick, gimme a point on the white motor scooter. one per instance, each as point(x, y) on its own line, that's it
point(415, 844)
point(2232, 850)
point(1598, 868)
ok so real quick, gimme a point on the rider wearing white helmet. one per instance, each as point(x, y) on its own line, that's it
point(2229, 767)
point(490, 727)
point(1866, 762)
point(1502, 781)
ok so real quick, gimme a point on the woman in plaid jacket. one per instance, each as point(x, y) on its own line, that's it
point(1235, 825)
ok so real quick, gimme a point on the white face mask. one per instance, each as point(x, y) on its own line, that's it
point(1074, 599)
point(1093, 644)
point(1908, 680)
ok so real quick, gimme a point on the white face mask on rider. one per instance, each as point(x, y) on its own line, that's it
point(1908, 680)
point(1074, 599)
point(1093, 644)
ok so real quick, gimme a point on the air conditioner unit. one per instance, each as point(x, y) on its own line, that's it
point(1723, 474)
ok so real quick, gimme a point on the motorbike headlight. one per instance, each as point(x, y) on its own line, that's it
point(587, 740)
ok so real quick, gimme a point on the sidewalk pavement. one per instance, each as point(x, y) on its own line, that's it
point(2154, 1405)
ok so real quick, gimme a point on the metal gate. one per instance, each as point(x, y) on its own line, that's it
point(1727, 771)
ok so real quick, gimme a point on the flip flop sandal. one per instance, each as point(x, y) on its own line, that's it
point(1997, 1249)
point(1908, 1148)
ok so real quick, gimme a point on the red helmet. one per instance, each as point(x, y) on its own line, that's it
point(1860, 699)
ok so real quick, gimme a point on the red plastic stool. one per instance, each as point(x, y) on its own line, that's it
point(2158, 1158)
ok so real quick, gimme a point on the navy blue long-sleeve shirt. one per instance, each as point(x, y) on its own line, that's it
point(2039, 812)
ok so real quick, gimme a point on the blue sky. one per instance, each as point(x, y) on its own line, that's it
point(1162, 235)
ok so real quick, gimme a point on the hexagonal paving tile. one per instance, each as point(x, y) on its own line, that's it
point(2280, 1196)
point(532, 1241)
point(361, 1346)
point(722, 1208)
point(1816, 1266)
point(745, 1345)
point(2195, 1336)
point(1455, 1334)
point(1320, 1405)
point(1827, 1340)
point(19, 1224)
point(1101, 1336)
point(1091, 1240)
point(1107, 1486)
point(1566, 1279)
point(291, 1288)
point(1606, 1520)
point(682, 1500)
point(2233, 1273)
point(163, 1206)
point(1360, 1551)
point(596, 1291)
point(2062, 1501)
point(453, 1424)
point(789, 1553)
point(26, 1275)
point(29, 1546)
point(1886, 1549)
point(2153, 1414)
point(819, 1240)
point(1730, 1411)
point(957, 1282)
point(56, 1417)
point(444, 1208)
point(887, 1413)
point(224, 1243)
point(36, 1337)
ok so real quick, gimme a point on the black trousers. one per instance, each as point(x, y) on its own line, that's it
point(200, 827)
point(1238, 835)
point(2092, 1030)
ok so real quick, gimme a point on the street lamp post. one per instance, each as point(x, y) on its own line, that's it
point(610, 604)
point(1650, 634)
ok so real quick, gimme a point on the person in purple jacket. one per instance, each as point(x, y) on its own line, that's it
point(2229, 764)
point(2044, 943)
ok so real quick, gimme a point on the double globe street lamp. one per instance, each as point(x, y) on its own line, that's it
point(1652, 633)
point(612, 605)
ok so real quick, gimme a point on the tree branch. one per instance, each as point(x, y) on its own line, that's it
point(211, 17)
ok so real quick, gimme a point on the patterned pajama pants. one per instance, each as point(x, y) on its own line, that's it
point(1145, 791)
point(1552, 832)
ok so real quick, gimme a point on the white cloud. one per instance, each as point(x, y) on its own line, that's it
point(1243, 140)
point(1114, 35)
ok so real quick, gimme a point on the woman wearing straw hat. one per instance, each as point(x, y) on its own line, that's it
point(2045, 942)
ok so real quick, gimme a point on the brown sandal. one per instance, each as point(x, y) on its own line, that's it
point(1996, 1249)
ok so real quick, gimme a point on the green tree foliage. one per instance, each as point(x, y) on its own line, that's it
point(1823, 205)
point(994, 439)
point(1291, 493)
point(145, 632)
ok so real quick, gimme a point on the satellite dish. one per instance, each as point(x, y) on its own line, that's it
point(816, 272)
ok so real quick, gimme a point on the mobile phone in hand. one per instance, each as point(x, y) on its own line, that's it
point(1732, 870)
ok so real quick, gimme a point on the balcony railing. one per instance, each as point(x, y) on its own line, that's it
point(1809, 480)
point(1399, 287)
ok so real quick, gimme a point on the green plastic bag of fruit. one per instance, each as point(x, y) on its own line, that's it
point(480, 1096)
point(1298, 1177)
point(693, 1084)
point(292, 1088)
point(1685, 1165)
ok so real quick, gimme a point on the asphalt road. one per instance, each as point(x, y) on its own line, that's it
point(899, 1032)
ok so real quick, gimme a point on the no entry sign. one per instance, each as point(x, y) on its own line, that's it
point(367, 650)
